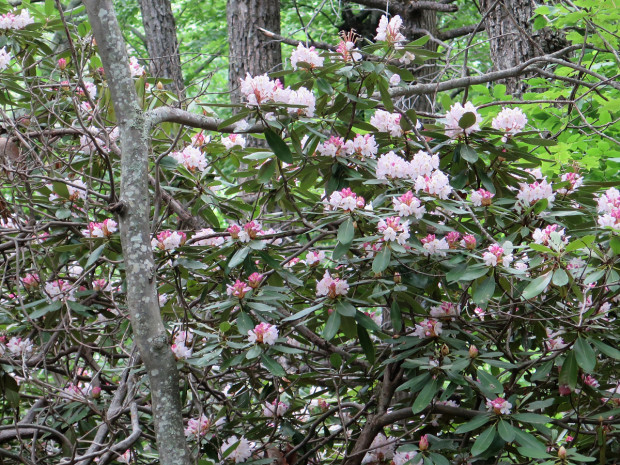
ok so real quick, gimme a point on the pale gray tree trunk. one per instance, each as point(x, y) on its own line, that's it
point(162, 43)
point(249, 50)
point(509, 26)
point(134, 210)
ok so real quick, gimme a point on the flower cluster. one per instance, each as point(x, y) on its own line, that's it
point(211, 241)
point(409, 205)
point(428, 328)
point(494, 254)
point(331, 287)
point(481, 198)
point(241, 452)
point(168, 240)
point(434, 246)
point(544, 236)
point(274, 409)
point(15, 22)
point(575, 180)
point(436, 184)
point(531, 193)
point(181, 344)
point(391, 166)
point(60, 290)
point(192, 158)
point(608, 207)
point(31, 281)
point(234, 140)
point(98, 230)
point(18, 347)
point(238, 290)
point(390, 31)
point(306, 55)
point(499, 406)
point(345, 199)
point(333, 147)
point(263, 333)
point(314, 257)
point(510, 120)
point(346, 48)
point(454, 115)
point(388, 122)
point(393, 230)
point(445, 310)
point(197, 427)
point(5, 59)
point(135, 68)
point(261, 90)
point(380, 450)
point(248, 232)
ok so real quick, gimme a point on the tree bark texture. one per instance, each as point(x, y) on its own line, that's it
point(249, 50)
point(148, 329)
point(508, 25)
point(162, 43)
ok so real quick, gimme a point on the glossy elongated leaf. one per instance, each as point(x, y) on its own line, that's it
point(345, 308)
point(367, 346)
point(279, 147)
point(483, 442)
point(484, 291)
point(531, 418)
point(506, 431)
point(536, 286)
point(274, 367)
point(474, 424)
point(346, 232)
point(467, 120)
point(468, 153)
point(381, 260)
point(332, 326)
point(238, 257)
point(570, 370)
point(560, 277)
point(586, 357)
point(426, 396)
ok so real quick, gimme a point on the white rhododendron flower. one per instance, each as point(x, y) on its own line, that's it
point(135, 68)
point(306, 55)
point(393, 230)
point(331, 287)
point(274, 409)
point(192, 158)
point(234, 140)
point(531, 193)
point(5, 59)
point(168, 240)
point(19, 347)
point(499, 406)
point(388, 122)
point(263, 333)
point(454, 115)
point(428, 328)
point(389, 31)
point(16, 22)
point(242, 451)
point(409, 205)
point(510, 120)
point(364, 146)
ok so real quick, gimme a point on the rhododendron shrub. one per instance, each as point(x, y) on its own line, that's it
point(369, 286)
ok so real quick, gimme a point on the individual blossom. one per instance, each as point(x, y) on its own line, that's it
point(345, 199)
point(481, 198)
point(510, 120)
point(135, 68)
point(452, 238)
point(197, 427)
point(242, 451)
point(198, 140)
point(5, 59)
point(554, 341)
point(19, 347)
point(274, 409)
point(575, 180)
point(391, 166)
point(346, 47)
point(59, 290)
point(388, 122)
point(100, 230)
point(254, 280)
point(407, 57)
point(211, 241)
point(436, 184)
point(181, 351)
point(380, 449)
point(263, 333)
point(331, 287)
point(393, 230)
point(529, 194)
point(305, 97)
point(306, 55)
point(402, 458)
point(371, 248)
point(364, 146)
point(238, 290)
point(454, 115)
point(333, 147)
point(168, 240)
point(389, 31)
point(101, 285)
point(494, 254)
point(269, 232)
point(611, 220)
point(31, 281)
point(234, 140)
point(409, 205)
point(445, 310)
point(589, 380)
point(544, 236)
point(250, 231)
point(314, 257)
point(394, 79)
point(434, 246)
point(499, 406)
point(192, 158)
point(428, 328)
point(260, 89)
point(91, 89)
point(77, 191)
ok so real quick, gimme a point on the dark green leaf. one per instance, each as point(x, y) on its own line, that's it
point(536, 286)
point(345, 308)
point(381, 260)
point(332, 326)
point(586, 357)
point(484, 441)
point(278, 146)
point(467, 120)
point(484, 291)
point(244, 323)
point(274, 367)
point(570, 370)
point(266, 172)
point(473, 424)
point(425, 397)
point(346, 232)
point(531, 418)
point(238, 257)
point(367, 346)
point(506, 431)
point(560, 277)
point(468, 154)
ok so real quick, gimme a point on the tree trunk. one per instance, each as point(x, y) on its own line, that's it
point(148, 329)
point(249, 50)
point(162, 44)
point(508, 25)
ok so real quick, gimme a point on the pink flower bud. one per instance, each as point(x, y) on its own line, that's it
point(562, 453)
point(62, 63)
point(473, 351)
point(96, 392)
point(423, 443)
point(564, 390)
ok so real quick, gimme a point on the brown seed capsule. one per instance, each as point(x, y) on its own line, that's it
point(445, 350)
point(159, 85)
